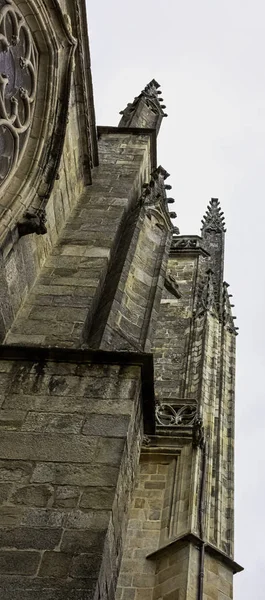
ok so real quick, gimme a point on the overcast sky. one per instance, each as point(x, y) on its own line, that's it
point(209, 58)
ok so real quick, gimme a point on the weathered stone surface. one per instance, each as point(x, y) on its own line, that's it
point(32, 495)
point(81, 475)
point(11, 516)
point(24, 538)
point(66, 496)
point(5, 491)
point(97, 497)
point(71, 432)
point(82, 541)
point(86, 565)
point(106, 425)
point(77, 519)
point(54, 564)
point(24, 563)
point(11, 470)
point(40, 517)
point(34, 446)
point(11, 419)
point(47, 422)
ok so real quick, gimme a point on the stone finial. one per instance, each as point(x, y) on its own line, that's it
point(213, 219)
point(152, 92)
point(33, 221)
point(213, 235)
point(146, 110)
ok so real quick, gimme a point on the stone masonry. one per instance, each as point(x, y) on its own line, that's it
point(117, 342)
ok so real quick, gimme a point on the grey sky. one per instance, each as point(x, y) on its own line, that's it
point(209, 58)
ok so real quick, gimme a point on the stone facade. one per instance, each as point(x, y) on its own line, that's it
point(117, 355)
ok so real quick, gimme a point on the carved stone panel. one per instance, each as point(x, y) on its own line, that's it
point(18, 76)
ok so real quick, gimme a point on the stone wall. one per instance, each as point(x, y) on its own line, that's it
point(70, 442)
point(160, 511)
point(68, 290)
point(172, 338)
point(134, 310)
point(137, 575)
point(218, 580)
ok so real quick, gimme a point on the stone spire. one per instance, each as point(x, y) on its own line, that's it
point(147, 109)
point(213, 219)
point(213, 235)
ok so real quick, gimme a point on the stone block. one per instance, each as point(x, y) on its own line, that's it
point(144, 594)
point(47, 447)
point(155, 485)
point(97, 498)
point(41, 517)
point(10, 516)
point(66, 496)
point(86, 566)
point(5, 490)
point(175, 595)
point(29, 327)
point(48, 422)
point(11, 419)
point(32, 495)
point(19, 562)
point(128, 593)
point(109, 450)
point(55, 564)
point(81, 475)
point(106, 425)
point(11, 470)
point(78, 519)
point(55, 313)
point(82, 541)
point(30, 537)
point(143, 581)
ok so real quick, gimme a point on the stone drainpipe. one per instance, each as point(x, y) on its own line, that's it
point(201, 522)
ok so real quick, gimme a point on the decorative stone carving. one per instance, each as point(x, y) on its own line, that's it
point(184, 243)
point(18, 76)
point(207, 296)
point(171, 286)
point(169, 415)
point(146, 440)
point(213, 219)
point(154, 198)
point(33, 221)
point(227, 317)
point(189, 244)
point(34, 41)
point(198, 440)
point(151, 94)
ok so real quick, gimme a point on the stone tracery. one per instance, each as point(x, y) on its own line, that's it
point(18, 78)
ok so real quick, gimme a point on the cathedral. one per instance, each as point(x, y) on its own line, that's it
point(117, 342)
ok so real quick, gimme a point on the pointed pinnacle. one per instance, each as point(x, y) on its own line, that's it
point(213, 218)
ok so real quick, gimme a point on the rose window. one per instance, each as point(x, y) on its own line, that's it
point(18, 71)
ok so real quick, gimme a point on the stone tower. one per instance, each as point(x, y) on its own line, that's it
point(117, 355)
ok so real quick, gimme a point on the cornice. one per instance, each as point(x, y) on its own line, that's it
point(188, 244)
point(102, 357)
point(192, 538)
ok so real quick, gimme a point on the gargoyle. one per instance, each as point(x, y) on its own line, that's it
point(33, 221)
point(198, 434)
point(171, 286)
